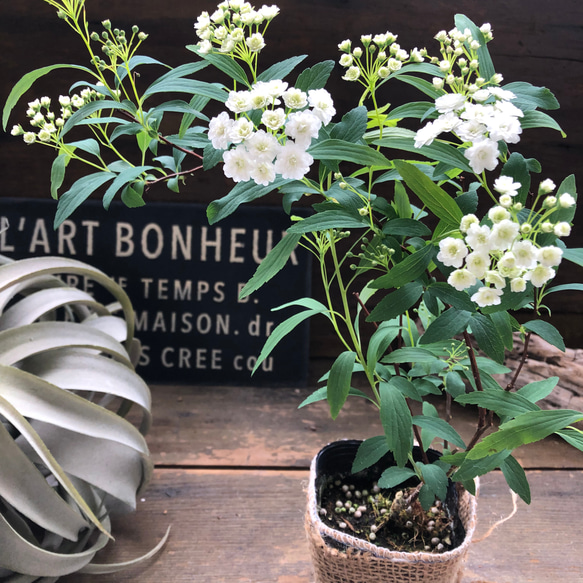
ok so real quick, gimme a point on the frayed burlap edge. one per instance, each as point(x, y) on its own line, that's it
point(360, 561)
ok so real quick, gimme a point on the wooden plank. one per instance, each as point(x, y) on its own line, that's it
point(247, 526)
point(252, 427)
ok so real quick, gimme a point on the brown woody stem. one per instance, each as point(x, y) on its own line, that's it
point(511, 385)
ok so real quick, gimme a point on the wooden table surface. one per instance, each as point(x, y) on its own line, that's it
point(231, 467)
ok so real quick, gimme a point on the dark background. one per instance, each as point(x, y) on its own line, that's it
point(534, 40)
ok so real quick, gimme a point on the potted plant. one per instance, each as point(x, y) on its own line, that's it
point(69, 456)
point(433, 242)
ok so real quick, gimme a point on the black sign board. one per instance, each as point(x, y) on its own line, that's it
point(183, 277)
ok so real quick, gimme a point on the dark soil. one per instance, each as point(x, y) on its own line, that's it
point(387, 518)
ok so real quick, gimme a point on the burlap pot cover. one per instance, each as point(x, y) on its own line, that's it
point(360, 561)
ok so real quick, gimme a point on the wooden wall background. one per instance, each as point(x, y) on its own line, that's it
point(534, 40)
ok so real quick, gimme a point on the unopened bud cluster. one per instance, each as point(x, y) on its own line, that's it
point(235, 27)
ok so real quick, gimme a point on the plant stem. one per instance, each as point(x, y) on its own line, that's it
point(511, 385)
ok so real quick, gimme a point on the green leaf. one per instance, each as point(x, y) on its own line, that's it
point(415, 109)
point(89, 145)
point(401, 201)
point(547, 332)
point(272, 264)
point(406, 228)
point(79, 192)
point(333, 219)
point(404, 139)
point(516, 478)
point(406, 387)
point(132, 197)
point(487, 336)
point(58, 174)
point(435, 479)
point(341, 150)
point(93, 107)
point(396, 303)
point(224, 63)
point(396, 420)
point(538, 119)
point(241, 193)
point(517, 168)
point(538, 390)
point(486, 69)
point(26, 82)
point(422, 85)
point(439, 428)
point(190, 86)
point(412, 267)
point(338, 385)
point(352, 126)
point(282, 69)
point(121, 180)
point(322, 395)
point(573, 437)
point(529, 97)
point(454, 384)
point(409, 354)
point(378, 344)
point(280, 331)
point(526, 428)
point(370, 451)
point(451, 296)
point(446, 326)
point(433, 197)
point(567, 286)
point(503, 325)
point(314, 77)
point(472, 468)
point(503, 403)
point(394, 476)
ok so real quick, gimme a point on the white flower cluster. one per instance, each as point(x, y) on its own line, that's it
point(234, 25)
point(259, 154)
point(47, 123)
point(502, 252)
point(390, 57)
point(482, 118)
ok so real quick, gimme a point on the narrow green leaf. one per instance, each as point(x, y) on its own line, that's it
point(58, 174)
point(241, 193)
point(412, 267)
point(503, 403)
point(189, 86)
point(339, 381)
point(539, 119)
point(79, 192)
point(378, 344)
point(396, 303)
point(454, 384)
point(439, 428)
point(132, 197)
point(394, 476)
point(89, 145)
point(332, 219)
point(439, 202)
point(409, 354)
point(486, 69)
point(422, 85)
point(401, 201)
point(516, 478)
point(224, 63)
point(503, 325)
point(547, 332)
point(567, 286)
point(396, 421)
point(26, 82)
point(415, 109)
point(446, 326)
point(404, 139)
point(93, 107)
point(472, 468)
point(538, 390)
point(526, 428)
point(280, 331)
point(406, 387)
point(341, 150)
point(406, 228)
point(272, 264)
point(370, 451)
point(321, 394)
point(572, 436)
